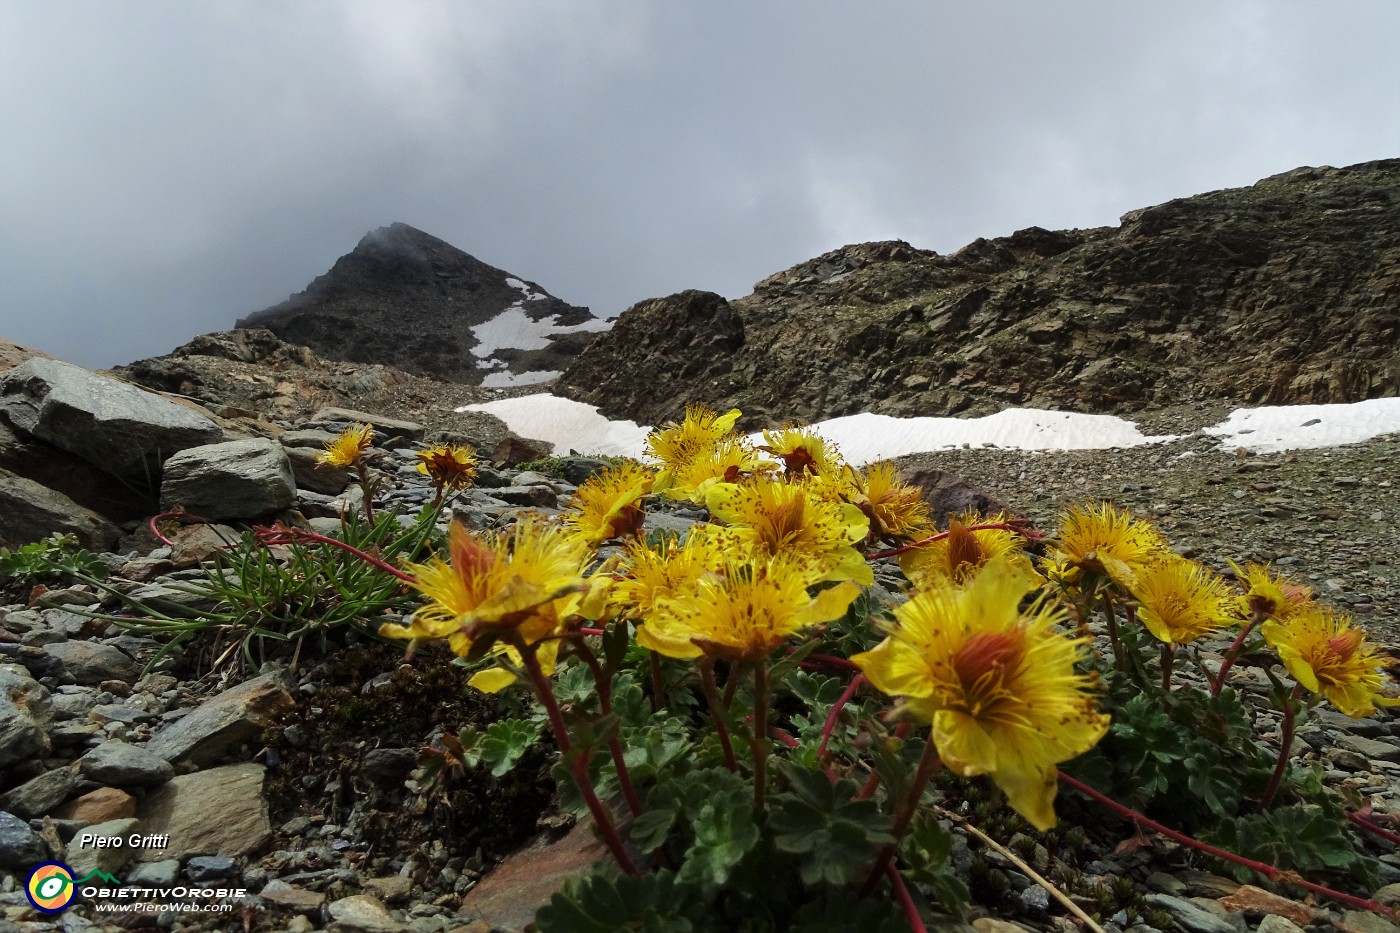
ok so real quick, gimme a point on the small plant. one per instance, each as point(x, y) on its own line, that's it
point(55, 559)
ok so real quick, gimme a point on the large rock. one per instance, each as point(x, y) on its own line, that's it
point(25, 711)
point(1282, 292)
point(123, 765)
point(223, 721)
point(92, 662)
point(948, 494)
point(71, 475)
point(124, 430)
point(30, 511)
point(216, 812)
point(318, 477)
point(674, 350)
point(232, 480)
point(389, 427)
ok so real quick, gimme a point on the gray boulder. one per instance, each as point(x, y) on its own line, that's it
point(390, 427)
point(30, 511)
point(236, 479)
point(25, 710)
point(318, 477)
point(122, 429)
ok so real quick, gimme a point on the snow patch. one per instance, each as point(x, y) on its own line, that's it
point(506, 380)
point(568, 425)
point(866, 438)
point(513, 329)
point(1293, 427)
point(530, 294)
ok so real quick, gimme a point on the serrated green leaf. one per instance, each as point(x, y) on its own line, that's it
point(724, 834)
point(505, 742)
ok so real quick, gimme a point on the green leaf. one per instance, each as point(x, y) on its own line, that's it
point(724, 833)
point(836, 835)
point(596, 903)
point(927, 851)
point(506, 741)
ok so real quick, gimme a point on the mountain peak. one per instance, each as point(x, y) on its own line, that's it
point(405, 298)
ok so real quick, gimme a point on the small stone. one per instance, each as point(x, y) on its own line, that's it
point(290, 897)
point(39, 795)
point(25, 710)
point(1035, 899)
point(210, 867)
point(1371, 748)
point(993, 925)
point(394, 889)
point(164, 872)
point(123, 765)
point(223, 721)
point(1191, 917)
point(1388, 895)
point(20, 846)
point(1163, 883)
point(361, 913)
point(91, 662)
point(1273, 923)
point(1350, 761)
point(1363, 921)
point(98, 806)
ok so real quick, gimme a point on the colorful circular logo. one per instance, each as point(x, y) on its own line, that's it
point(50, 887)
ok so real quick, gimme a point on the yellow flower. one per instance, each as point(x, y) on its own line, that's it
point(655, 574)
point(1179, 601)
point(677, 446)
point(802, 450)
point(449, 466)
point(607, 505)
point(745, 611)
point(956, 559)
point(898, 513)
point(1329, 655)
point(1104, 540)
point(528, 583)
point(996, 684)
point(787, 518)
point(727, 461)
point(1267, 594)
point(348, 448)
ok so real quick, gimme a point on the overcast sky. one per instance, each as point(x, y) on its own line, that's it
point(167, 167)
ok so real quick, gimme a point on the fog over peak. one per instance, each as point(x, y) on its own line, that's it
point(168, 168)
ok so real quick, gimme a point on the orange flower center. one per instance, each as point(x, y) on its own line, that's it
point(984, 665)
point(1344, 644)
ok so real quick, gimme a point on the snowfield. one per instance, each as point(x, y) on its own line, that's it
point(866, 438)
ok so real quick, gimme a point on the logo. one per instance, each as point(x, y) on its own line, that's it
point(50, 887)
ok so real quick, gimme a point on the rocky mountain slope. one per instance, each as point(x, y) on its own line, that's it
point(1287, 291)
point(406, 299)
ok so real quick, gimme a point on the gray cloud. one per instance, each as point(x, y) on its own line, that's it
point(167, 167)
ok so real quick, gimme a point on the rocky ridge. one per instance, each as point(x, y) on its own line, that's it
point(1287, 291)
point(406, 299)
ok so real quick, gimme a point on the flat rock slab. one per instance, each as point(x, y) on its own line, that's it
point(1375, 749)
point(40, 795)
point(391, 427)
point(31, 511)
point(222, 722)
point(84, 859)
point(124, 430)
point(98, 806)
point(509, 896)
point(235, 479)
point(216, 812)
point(91, 662)
point(122, 765)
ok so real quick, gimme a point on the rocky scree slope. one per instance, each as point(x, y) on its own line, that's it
point(1287, 291)
point(406, 299)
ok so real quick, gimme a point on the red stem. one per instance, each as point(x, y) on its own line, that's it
point(1217, 683)
point(181, 516)
point(1268, 871)
point(1285, 749)
point(1367, 825)
point(579, 770)
point(832, 661)
point(604, 684)
point(281, 534)
point(929, 765)
point(836, 708)
point(906, 902)
point(707, 685)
